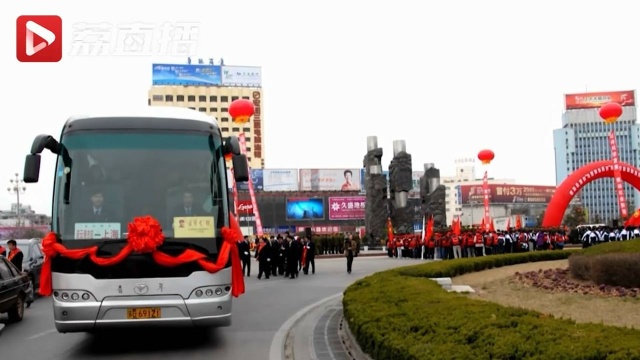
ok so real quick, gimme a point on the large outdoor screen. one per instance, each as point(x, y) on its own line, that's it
point(305, 209)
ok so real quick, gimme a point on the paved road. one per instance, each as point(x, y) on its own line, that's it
point(258, 315)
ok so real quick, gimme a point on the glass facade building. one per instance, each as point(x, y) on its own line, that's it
point(583, 139)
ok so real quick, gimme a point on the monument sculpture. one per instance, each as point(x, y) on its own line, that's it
point(375, 183)
point(433, 196)
point(400, 183)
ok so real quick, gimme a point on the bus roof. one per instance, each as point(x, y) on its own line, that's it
point(150, 117)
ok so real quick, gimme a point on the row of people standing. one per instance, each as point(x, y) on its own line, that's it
point(279, 256)
point(449, 245)
point(590, 236)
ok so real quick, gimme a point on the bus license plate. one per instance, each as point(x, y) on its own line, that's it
point(144, 313)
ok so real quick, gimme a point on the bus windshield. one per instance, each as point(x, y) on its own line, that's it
point(106, 179)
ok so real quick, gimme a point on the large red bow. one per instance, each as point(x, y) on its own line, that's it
point(145, 236)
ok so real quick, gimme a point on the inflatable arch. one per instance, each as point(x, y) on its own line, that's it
point(577, 180)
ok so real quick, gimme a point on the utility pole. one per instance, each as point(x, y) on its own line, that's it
point(17, 187)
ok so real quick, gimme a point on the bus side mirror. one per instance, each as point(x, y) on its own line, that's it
point(232, 146)
point(240, 168)
point(31, 168)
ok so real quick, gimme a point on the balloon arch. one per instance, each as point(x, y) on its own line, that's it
point(577, 180)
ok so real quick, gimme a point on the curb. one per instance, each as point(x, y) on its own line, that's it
point(349, 342)
point(277, 350)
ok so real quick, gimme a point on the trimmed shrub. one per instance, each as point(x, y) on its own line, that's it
point(400, 315)
point(632, 246)
point(609, 269)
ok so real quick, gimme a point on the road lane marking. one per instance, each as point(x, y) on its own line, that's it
point(41, 334)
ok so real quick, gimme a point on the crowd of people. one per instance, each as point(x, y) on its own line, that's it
point(592, 235)
point(286, 255)
point(474, 243)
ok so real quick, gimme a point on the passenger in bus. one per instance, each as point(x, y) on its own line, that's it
point(97, 212)
point(187, 207)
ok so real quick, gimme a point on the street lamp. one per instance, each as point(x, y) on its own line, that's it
point(17, 187)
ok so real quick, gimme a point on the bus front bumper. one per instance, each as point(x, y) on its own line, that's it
point(117, 311)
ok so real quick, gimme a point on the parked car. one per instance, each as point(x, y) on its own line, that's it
point(33, 259)
point(15, 290)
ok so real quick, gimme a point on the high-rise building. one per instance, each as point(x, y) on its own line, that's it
point(465, 175)
point(583, 139)
point(211, 89)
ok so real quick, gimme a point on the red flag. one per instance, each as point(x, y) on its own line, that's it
point(492, 228)
point(429, 228)
point(518, 222)
point(389, 230)
point(508, 223)
point(456, 227)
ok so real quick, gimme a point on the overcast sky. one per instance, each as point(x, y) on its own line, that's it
point(450, 78)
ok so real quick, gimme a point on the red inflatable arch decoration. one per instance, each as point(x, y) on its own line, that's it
point(577, 180)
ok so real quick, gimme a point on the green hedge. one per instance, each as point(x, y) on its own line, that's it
point(399, 315)
point(632, 246)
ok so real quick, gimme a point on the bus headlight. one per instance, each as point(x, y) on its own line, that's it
point(75, 296)
point(198, 293)
point(218, 291)
point(209, 292)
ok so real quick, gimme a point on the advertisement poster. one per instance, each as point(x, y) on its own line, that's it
point(597, 99)
point(508, 194)
point(245, 211)
point(250, 76)
point(280, 180)
point(190, 75)
point(346, 208)
point(330, 180)
point(256, 178)
point(305, 209)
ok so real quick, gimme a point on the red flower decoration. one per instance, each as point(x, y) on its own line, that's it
point(145, 234)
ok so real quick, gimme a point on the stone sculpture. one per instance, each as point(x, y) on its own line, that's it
point(400, 183)
point(375, 183)
point(433, 196)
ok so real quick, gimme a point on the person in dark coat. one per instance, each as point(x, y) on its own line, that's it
point(309, 258)
point(263, 254)
point(245, 256)
point(293, 258)
point(15, 255)
point(283, 248)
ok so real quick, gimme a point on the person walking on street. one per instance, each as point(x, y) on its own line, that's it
point(350, 249)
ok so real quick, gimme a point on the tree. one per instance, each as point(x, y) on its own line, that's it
point(597, 219)
point(575, 217)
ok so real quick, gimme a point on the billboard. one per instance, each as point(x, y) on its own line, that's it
point(256, 178)
point(305, 209)
point(363, 178)
point(250, 76)
point(596, 100)
point(280, 179)
point(508, 194)
point(178, 74)
point(245, 211)
point(330, 180)
point(346, 208)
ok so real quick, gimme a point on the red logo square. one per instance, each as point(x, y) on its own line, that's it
point(39, 38)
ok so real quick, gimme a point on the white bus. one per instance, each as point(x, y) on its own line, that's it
point(164, 162)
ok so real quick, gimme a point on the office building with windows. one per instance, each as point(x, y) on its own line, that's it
point(583, 139)
point(211, 89)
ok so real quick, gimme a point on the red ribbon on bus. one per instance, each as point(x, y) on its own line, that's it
point(145, 236)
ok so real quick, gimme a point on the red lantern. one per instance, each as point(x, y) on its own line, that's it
point(486, 156)
point(610, 112)
point(241, 110)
